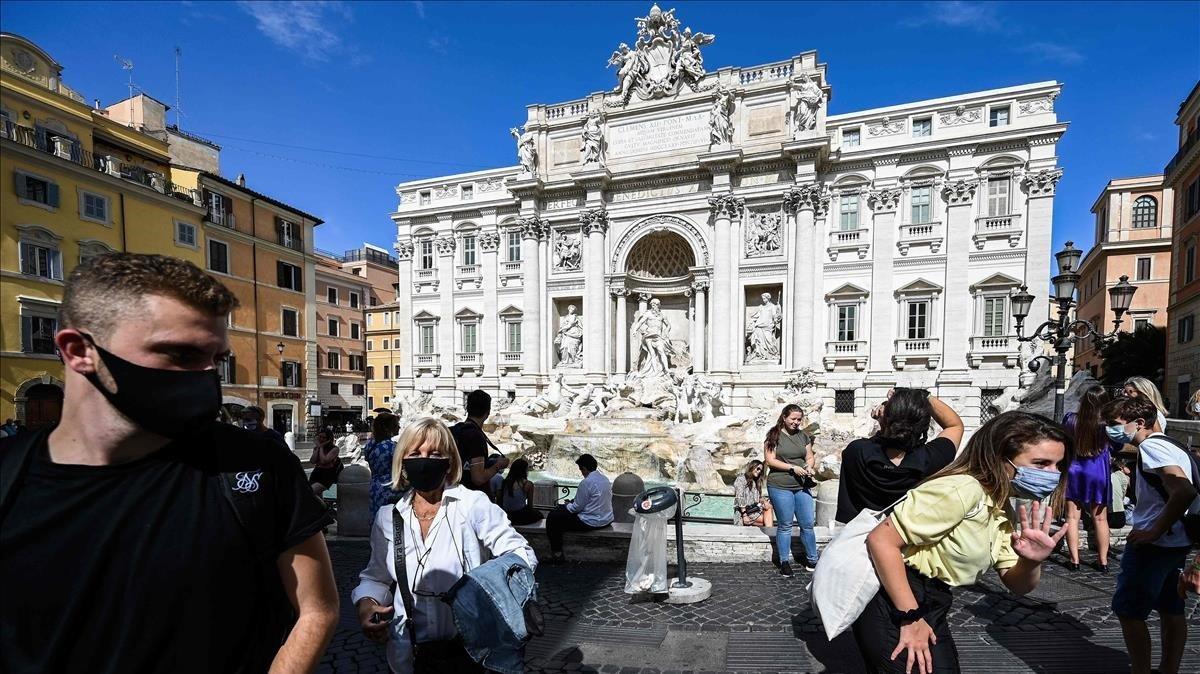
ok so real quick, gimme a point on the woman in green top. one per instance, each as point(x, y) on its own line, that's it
point(790, 457)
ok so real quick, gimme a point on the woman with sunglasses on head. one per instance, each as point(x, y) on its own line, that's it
point(750, 507)
point(446, 529)
point(950, 530)
point(1140, 387)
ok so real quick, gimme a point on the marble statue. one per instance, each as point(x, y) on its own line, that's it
point(548, 401)
point(662, 58)
point(654, 330)
point(764, 233)
point(593, 138)
point(807, 102)
point(765, 327)
point(720, 127)
point(526, 150)
point(569, 340)
point(567, 251)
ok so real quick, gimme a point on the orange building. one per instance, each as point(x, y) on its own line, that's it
point(1182, 175)
point(1133, 238)
point(261, 249)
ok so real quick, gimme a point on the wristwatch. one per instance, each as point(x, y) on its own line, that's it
point(913, 615)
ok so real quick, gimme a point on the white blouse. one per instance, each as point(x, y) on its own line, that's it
point(467, 530)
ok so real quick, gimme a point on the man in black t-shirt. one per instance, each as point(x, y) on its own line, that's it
point(138, 535)
point(473, 444)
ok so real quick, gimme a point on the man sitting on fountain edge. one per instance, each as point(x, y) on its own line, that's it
point(591, 509)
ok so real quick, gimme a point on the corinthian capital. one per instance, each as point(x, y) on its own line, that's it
point(444, 245)
point(884, 199)
point(404, 250)
point(810, 197)
point(1043, 183)
point(595, 220)
point(489, 241)
point(959, 192)
point(727, 206)
point(533, 228)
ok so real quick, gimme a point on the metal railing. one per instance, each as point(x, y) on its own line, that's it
point(221, 218)
point(69, 149)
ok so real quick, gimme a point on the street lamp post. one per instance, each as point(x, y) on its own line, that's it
point(1062, 332)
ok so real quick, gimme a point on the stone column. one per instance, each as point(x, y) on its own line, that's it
point(595, 225)
point(956, 301)
point(803, 201)
point(404, 253)
point(490, 338)
point(725, 209)
point(447, 342)
point(699, 357)
point(532, 230)
point(881, 337)
point(622, 365)
point(1040, 187)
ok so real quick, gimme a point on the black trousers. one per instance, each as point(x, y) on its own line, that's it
point(559, 522)
point(877, 635)
point(526, 515)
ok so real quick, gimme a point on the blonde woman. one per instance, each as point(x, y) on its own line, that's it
point(1140, 387)
point(446, 529)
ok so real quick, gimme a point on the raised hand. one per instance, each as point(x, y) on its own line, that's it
point(1033, 541)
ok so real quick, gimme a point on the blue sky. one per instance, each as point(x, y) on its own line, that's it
point(327, 105)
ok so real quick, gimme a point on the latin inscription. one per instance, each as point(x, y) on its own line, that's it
point(659, 135)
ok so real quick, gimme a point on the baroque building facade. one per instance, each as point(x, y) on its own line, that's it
point(727, 224)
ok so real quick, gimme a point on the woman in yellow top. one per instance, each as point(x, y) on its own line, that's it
point(951, 529)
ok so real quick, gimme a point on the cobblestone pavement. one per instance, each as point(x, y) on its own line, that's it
point(758, 621)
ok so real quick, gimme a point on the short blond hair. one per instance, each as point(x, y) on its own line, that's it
point(418, 433)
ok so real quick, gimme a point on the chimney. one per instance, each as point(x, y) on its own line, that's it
point(241, 180)
point(97, 105)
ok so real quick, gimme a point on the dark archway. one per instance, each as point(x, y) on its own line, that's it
point(43, 406)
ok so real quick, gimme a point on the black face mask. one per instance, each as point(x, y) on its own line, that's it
point(426, 473)
point(170, 403)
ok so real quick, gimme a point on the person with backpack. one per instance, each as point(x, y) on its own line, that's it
point(473, 444)
point(421, 546)
point(140, 535)
point(1164, 529)
point(949, 530)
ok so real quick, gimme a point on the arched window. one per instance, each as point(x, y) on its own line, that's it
point(1145, 212)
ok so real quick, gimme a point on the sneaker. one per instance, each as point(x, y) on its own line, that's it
point(810, 566)
point(785, 569)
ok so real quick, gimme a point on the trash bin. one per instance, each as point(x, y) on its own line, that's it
point(354, 501)
point(626, 489)
point(646, 566)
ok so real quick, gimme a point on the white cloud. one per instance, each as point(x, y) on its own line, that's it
point(1053, 52)
point(308, 28)
point(976, 15)
point(419, 5)
point(438, 43)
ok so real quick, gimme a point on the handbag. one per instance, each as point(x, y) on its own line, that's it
point(753, 511)
point(845, 580)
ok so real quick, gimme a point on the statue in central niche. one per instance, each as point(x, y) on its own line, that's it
point(652, 328)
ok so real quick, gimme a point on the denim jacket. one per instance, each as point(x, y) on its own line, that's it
point(488, 605)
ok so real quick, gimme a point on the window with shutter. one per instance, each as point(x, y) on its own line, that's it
point(37, 334)
point(290, 323)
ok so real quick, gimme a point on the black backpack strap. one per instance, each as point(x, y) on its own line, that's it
point(15, 457)
point(402, 577)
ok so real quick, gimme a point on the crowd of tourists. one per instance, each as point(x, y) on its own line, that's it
point(174, 543)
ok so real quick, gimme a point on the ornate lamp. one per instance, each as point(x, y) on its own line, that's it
point(1064, 286)
point(1120, 296)
point(279, 348)
point(1068, 259)
point(1021, 302)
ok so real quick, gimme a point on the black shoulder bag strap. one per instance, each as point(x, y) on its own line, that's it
point(402, 578)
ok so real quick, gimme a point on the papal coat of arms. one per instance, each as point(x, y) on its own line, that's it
point(660, 61)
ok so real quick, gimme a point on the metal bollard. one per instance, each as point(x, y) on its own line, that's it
point(681, 580)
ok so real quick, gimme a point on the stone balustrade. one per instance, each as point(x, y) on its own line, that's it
point(856, 240)
point(928, 350)
point(920, 233)
point(998, 227)
point(1003, 347)
point(843, 351)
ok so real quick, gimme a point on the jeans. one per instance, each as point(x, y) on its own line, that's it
point(801, 505)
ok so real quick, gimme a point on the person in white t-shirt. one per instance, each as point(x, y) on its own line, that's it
point(1158, 546)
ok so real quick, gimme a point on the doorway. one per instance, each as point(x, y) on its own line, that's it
point(281, 419)
point(43, 406)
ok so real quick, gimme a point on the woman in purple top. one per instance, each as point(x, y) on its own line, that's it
point(1088, 478)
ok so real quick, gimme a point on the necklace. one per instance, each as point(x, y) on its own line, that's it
point(426, 518)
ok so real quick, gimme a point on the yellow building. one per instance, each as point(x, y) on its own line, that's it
point(383, 355)
point(75, 183)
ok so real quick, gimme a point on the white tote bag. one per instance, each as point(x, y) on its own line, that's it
point(845, 581)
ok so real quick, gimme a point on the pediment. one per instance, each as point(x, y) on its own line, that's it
point(466, 313)
point(511, 311)
point(997, 280)
point(846, 291)
point(919, 287)
point(424, 316)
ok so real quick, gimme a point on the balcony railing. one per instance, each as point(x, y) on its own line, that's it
point(845, 351)
point(469, 358)
point(510, 357)
point(1188, 144)
point(467, 270)
point(68, 149)
point(924, 232)
point(290, 242)
point(851, 239)
point(426, 362)
point(1004, 346)
point(998, 227)
point(926, 349)
point(370, 255)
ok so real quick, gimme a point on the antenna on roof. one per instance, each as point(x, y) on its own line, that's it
point(178, 79)
point(127, 65)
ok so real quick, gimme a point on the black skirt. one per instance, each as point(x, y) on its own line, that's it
point(877, 635)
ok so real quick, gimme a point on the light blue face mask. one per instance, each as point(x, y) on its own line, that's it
point(1035, 483)
point(1117, 433)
